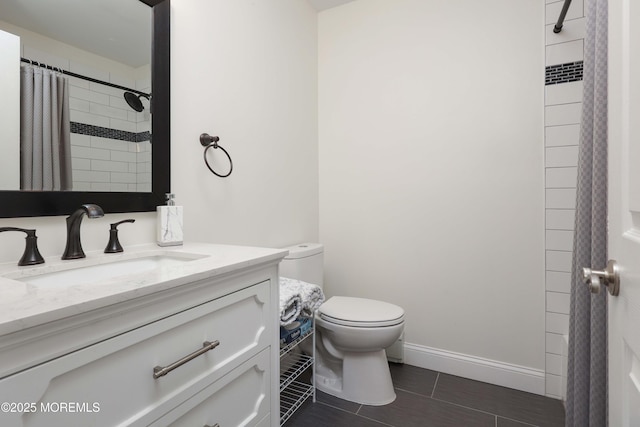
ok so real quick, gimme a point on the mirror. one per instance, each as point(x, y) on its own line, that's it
point(45, 203)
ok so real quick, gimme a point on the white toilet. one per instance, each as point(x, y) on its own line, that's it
point(351, 335)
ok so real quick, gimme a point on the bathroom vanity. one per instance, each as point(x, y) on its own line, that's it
point(153, 336)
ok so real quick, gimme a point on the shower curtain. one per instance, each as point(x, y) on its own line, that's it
point(45, 136)
point(586, 403)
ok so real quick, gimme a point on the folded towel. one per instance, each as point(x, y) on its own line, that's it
point(311, 295)
point(290, 305)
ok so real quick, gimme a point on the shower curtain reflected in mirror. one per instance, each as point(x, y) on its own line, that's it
point(45, 136)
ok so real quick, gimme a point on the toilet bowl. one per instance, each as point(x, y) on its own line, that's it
point(351, 335)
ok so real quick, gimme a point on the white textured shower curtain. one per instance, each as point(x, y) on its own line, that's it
point(45, 135)
point(586, 404)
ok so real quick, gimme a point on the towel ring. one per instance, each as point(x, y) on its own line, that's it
point(209, 141)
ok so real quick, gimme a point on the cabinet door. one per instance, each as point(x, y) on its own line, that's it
point(240, 398)
point(112, 383)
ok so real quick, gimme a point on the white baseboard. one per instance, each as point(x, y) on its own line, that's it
point(476, 368)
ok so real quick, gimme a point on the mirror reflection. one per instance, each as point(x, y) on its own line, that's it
point(76, 90)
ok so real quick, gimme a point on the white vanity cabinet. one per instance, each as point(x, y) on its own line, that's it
point(208, 362)
point(238, 399)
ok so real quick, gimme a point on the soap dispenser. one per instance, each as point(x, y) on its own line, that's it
point(170, 223)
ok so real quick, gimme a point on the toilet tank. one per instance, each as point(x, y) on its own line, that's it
point(305, 262)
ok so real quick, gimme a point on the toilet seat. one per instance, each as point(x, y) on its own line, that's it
point(360, 312)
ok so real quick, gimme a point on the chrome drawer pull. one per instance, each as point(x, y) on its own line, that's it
point(159, 371)
point(215, 425)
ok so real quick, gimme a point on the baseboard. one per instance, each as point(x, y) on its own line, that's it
point(476, 368)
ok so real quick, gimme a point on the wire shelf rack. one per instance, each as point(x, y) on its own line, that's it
point(295, 366)
point(287, 348)
point(292, 368)
point(292, 398)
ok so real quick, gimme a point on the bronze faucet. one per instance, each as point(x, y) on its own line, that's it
point(73, 249)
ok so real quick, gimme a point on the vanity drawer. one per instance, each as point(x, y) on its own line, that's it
point(240, 398)
point(113, 381)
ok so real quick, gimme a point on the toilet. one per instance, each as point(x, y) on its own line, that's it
point(351, 335)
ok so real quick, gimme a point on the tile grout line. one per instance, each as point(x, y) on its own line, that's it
point(559, 188)
point(560, 124)
point(564, 103)
point(358, 410)
point(434, 385)
point(414, 393)
point(374, 420)
point(469, 408)
point(336, 407)
point(561, 146)
point(355, 413)
point(518, 421)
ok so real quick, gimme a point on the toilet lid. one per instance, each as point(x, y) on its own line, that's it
point(360, 312)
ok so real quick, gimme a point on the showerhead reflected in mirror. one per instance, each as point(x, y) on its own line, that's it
point(134, 101)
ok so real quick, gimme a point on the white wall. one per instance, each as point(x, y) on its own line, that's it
point(431, 183)
point(246, 71)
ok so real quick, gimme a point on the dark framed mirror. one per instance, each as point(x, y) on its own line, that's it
point(49, 203)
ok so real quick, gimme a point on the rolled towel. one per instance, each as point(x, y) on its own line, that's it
point(290, 305)
point(311, 295)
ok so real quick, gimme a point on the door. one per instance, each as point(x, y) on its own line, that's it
point(624, 211)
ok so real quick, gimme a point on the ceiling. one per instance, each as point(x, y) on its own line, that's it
point(320, 5)
point(116, 29)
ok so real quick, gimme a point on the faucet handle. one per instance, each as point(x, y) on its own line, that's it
point(114, 245)
point(31, 255)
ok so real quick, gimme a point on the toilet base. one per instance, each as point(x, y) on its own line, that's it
point(357, 382)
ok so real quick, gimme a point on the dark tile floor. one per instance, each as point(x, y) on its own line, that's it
point(429, 398)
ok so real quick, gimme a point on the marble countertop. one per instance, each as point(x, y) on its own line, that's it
point(24, 305)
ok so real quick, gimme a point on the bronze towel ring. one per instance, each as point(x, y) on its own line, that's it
point(209, 141)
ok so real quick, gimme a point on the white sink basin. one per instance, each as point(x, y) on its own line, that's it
point(88, 274)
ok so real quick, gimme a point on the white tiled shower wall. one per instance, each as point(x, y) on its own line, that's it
point(101, 163)
point(563, 107)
